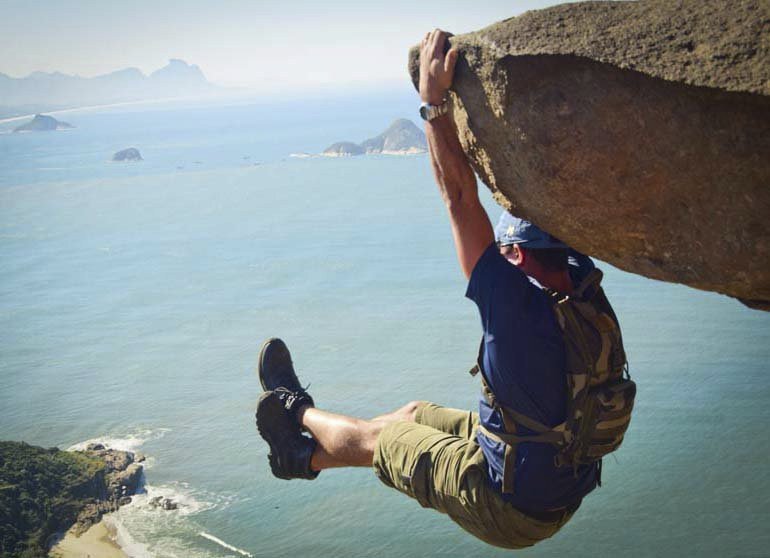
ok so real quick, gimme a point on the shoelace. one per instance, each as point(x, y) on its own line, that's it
point(290, 397)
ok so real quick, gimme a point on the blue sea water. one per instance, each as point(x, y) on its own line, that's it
point(134, 299)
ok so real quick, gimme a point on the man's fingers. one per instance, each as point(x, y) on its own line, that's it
point(450, 61)
point(439, 41)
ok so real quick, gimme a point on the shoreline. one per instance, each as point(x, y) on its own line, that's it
point(98, 540)
point(87, 108)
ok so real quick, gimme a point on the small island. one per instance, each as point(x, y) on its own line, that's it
point(45, 491)
point(128, 155)
point(343, 149)
point(42, 123)
point(401, 138)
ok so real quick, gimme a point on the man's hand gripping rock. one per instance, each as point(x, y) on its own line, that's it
point(436, 67)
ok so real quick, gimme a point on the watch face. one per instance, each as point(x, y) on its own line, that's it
point(424, 111)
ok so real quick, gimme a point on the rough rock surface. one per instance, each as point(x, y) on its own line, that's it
point(638, 132)
point(120, 479)
point(163, 503)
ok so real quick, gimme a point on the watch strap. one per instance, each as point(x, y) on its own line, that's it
point(428, 112)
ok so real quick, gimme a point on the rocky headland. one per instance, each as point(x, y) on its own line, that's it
point(46, 491)
point(638, 132)
point(42, 123)
point(402, 137)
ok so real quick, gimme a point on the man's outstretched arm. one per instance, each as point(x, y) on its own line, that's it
point(471, 228)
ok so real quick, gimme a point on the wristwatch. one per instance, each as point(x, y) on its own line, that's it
point(428, 112)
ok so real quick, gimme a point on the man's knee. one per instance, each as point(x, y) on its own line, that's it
point(409, 411)
point(406, 413)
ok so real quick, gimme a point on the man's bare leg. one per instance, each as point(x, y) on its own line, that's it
point(347, 441)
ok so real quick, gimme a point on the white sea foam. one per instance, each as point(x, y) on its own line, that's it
point(164, 532)
point(223, 544)
point(124, 540)
point(189, 501)
point(145, 531)
point(131, 442)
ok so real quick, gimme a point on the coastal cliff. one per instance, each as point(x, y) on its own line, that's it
point(46, 491)
point(638, 132)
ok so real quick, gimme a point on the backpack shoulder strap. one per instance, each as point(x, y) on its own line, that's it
point(589, 286)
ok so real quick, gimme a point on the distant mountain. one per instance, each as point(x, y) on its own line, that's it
point(50, 91)
point(343, 149)
point(401, 138)
point(42, 123)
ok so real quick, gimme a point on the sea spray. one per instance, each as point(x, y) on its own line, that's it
point(130, 442)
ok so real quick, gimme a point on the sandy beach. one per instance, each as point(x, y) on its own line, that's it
point(96, 542)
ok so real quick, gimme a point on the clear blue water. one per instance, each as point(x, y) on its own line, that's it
point(134, 299)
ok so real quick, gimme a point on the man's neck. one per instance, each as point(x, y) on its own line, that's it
point(556, 281)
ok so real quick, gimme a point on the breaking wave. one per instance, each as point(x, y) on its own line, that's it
point(130, 442)
point(223, 544)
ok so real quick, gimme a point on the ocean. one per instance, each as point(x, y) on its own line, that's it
point(134, 298)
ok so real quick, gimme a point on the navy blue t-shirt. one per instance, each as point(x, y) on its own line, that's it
point(524, 364)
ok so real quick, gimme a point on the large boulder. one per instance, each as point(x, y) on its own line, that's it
point(638, 132)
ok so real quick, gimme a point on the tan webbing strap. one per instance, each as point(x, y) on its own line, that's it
point(527, 422)
point(509, 469)
point(510, 417)
point(477, 367)
point(509, 456)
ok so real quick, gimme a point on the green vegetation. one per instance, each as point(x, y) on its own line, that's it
point(41, 492)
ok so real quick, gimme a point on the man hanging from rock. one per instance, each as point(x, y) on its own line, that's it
point(555, 398)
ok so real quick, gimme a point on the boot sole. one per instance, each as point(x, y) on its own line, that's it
point(267, 407)
point(260, 362)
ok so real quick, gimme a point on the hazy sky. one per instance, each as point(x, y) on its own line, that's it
point(267, 45)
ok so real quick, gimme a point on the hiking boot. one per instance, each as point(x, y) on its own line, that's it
point(276, 370)
point(290, 450)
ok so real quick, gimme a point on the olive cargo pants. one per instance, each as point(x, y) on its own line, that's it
point(437, 461)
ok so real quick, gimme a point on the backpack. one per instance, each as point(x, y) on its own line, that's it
point(600, 392)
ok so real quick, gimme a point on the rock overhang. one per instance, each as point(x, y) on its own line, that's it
point(638, 132)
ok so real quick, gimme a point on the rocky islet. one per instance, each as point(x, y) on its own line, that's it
point(402, 137)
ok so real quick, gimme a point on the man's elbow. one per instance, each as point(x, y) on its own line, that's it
point(461, 203)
